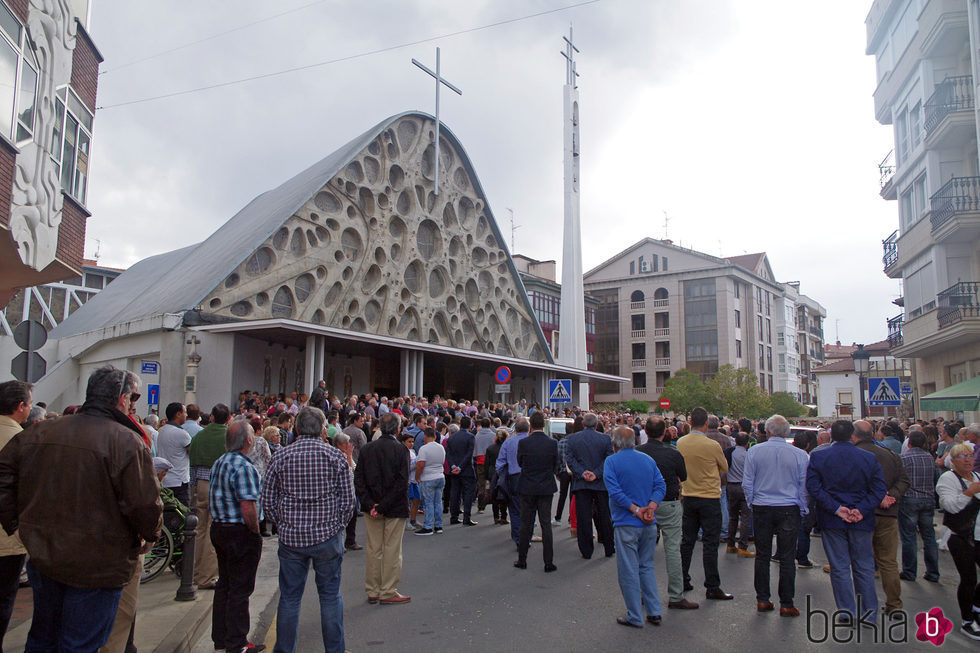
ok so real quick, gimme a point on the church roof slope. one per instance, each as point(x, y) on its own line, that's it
point(359, 240)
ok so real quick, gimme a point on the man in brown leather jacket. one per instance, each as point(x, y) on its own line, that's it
point(81, 494)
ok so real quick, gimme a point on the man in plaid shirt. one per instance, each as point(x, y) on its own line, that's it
point(233, 498)
point(917, 509)
point(309, 493)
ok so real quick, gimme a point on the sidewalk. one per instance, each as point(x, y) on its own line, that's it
point(167, 626)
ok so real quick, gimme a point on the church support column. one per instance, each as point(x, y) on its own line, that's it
point(404, 386)
point(320, 354)
point(309, 365)
point(419, 372)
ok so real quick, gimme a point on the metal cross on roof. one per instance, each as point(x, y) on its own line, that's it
point(439, 82)
point(569, 54)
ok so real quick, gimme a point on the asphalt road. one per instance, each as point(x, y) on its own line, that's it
point(467, 596)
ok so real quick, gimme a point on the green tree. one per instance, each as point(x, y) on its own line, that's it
point(786, 405)
point(737, 393)
point(638, 406)
point(686, 391)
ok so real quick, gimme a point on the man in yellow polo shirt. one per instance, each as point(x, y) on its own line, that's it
point(701, 498)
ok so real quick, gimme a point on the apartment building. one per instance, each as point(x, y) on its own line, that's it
point(663, 308)
point(926, 55)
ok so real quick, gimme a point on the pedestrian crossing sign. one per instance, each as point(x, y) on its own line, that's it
point(560, 391)
point(884, 391)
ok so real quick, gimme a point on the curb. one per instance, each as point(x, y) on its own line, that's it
point(183, 636)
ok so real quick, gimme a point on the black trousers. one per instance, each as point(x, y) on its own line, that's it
point(461, 487)
point(564, 483)
point(587, 501)
point(351, 537)
point(238, 551)
point(10, 567)
point(701, 514)
point(783, 522)
point(966, 556)
point(540, 505)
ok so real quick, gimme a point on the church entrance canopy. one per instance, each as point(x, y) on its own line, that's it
point(416, 361)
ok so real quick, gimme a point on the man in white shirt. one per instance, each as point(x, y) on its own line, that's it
point(172, 443)
point(429, 474)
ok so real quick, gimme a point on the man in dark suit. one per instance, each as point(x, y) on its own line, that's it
point(462, 476)
point(537, 455)
point(586, 454)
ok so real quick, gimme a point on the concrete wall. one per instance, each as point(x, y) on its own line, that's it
point(827, 393)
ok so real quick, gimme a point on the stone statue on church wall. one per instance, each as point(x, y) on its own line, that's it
point(36, 200)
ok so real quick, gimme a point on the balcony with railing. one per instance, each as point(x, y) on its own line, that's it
point(953, 94)
point(661, 333)
point(638, 333)
point(639, 391)
point(886, 171)
point(890, 250)
point(895, 331)
point(663, 363)
point(661, 303)
point(637, 306)
point(640, 362)
point(816, 331)
point(958, 302)
point(957, 198)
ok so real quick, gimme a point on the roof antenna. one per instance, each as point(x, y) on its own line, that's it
point(98, 249)
point(513, 228)
point(666, 225)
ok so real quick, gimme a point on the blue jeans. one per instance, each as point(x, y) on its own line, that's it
point(69, 619)
point(432, 500)
point(849, 552)
point(724, 513)
point(294, 564)
point(915, 517)
point(635, 546)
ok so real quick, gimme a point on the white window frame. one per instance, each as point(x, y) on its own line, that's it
point(69, 109)
point(20, 131)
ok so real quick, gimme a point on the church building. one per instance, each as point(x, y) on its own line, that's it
point(354, 271)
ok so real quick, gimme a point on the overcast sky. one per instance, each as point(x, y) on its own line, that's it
point(749, 122)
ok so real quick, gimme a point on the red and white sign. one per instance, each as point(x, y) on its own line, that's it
point(665, 403)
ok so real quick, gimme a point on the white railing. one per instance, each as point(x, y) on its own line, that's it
point(658, 390)
point(661, 362)
point(638, 334)
point(640, 363)
point(661, 333)
point(637, 306)
point(639, 391)
point(661, 303)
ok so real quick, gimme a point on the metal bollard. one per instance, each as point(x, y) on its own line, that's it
point(187, 590)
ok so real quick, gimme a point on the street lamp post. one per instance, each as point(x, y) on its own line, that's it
point(861, 357)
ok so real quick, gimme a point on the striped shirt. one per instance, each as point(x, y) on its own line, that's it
point(309, 492)
point(233, 479)
point(921, 469)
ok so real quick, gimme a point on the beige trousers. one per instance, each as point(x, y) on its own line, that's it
point(125, 613)
point(383, 567)
point(205, 559)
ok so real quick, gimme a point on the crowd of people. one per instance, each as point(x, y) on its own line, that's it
point(306, 469)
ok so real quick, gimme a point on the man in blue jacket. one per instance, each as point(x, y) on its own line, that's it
point(585, 453)
point(847, 485)
point(636, 487)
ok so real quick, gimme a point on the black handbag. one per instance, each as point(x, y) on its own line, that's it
point(963, 523)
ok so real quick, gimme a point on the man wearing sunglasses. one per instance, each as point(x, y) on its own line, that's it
point(55, 478)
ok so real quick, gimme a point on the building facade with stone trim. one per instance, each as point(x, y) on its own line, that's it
point(51, 66)
point(353, 271)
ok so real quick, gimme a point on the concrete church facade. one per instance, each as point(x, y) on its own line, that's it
point(354, 271)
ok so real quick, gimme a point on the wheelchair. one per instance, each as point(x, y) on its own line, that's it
point(168, 550)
